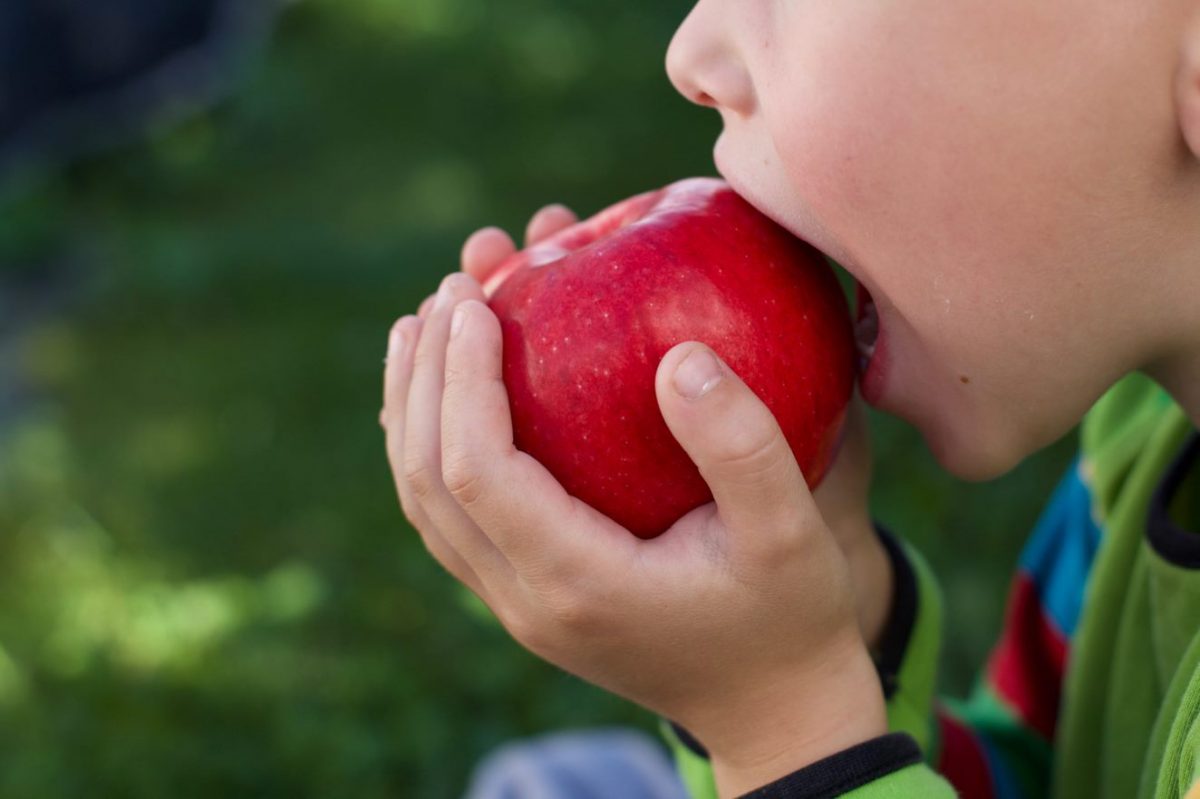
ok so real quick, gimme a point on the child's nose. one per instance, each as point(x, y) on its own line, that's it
point(703, 63)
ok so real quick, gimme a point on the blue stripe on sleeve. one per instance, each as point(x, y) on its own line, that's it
point(1061, 549)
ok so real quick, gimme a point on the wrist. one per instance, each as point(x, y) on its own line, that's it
point(837, 705)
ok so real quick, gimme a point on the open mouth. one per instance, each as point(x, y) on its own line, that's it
point(866, 326)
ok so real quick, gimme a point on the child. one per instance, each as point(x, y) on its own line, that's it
point(1017, 186)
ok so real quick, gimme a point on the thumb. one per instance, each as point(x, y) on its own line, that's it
point(736, 443)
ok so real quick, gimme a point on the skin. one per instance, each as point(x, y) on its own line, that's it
point(1018, 185)
point(1004, 177)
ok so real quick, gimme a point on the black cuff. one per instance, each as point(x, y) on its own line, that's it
point(1173, 543)
point(689, 740)
point(843, 772)
point(893, 642)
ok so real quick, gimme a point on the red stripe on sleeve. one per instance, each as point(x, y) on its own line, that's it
point(1026, 667)
point(962, 761)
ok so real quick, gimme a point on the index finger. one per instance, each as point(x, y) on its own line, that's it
point(510, 495)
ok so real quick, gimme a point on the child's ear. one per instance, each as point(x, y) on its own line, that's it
point(1187, 85)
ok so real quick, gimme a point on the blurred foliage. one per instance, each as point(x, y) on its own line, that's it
point(206, 585)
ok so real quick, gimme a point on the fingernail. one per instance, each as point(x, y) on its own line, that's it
point(456, 321)
point(445, 293)
point(697, 375)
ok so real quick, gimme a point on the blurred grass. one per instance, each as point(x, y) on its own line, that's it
point(206, 585)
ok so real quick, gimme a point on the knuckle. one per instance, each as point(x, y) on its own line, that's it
point(419, 476)
point(557, 589)
point(461, 477)
point(526, 631)
point(424, 359)
point(455, 374)
point(573, 614)
point(560, 614)
point(754, 452)
point(569, 607)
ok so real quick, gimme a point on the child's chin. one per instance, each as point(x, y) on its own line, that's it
point(971, 455)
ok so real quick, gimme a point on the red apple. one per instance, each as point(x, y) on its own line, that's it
point(588, 313)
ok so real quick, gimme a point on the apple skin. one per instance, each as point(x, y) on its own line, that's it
point(588, 313)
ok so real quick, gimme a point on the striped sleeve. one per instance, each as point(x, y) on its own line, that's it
point(997, 744)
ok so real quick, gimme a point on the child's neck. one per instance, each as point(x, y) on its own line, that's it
point(1180, 376)
point(1176, 367)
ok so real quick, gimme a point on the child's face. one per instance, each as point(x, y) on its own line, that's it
point(993, 171)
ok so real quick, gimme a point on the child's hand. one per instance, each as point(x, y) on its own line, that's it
point(739, 622)
point(842, 496)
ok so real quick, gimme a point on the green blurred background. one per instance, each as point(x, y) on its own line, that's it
point(207, 587)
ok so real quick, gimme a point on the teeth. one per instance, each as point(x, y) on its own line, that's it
point(865, 353)
point(866, 332)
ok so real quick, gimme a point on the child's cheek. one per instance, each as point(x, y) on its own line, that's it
point(930, 164)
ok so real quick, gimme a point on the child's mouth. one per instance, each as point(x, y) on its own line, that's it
point(866, 326)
